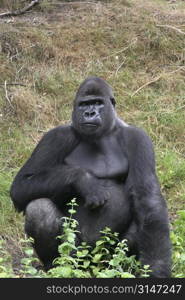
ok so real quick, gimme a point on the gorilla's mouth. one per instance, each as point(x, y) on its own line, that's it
point(89, 124)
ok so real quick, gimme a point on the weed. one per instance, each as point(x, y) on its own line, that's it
point(108, 259)
point(177, 237)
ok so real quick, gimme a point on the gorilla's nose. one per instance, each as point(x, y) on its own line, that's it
point(89, 114)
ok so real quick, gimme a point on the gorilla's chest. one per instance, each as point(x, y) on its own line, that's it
point(104, 160)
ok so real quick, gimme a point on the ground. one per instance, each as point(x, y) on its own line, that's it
point(138, 46)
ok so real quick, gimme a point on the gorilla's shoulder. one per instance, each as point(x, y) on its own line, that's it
point(139, 140)
point(61, 131)
point(62, 134)
point(134, 135)
point(138, 132)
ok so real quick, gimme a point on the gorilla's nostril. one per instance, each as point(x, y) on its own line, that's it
point(88, 114)
point(92, 114)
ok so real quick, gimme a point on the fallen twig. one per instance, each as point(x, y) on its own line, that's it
point(73, 3)
point(6, 94)
point(21, 84)
point(116, 73)
point(172, 27)
point(156, 79)
point(20, 11)
point(147, 83)
point(34, 139)
point(134, 41)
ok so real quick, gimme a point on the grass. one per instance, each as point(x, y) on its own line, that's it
point(137, 45)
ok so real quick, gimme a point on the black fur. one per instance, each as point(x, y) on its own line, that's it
point(109, 167)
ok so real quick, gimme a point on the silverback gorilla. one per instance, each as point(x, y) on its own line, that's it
point(109, 167)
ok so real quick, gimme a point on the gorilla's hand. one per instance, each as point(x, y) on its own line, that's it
point(97, 198)
point(89, 187)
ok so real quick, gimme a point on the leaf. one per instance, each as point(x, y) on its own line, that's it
point(107, 274)
point(114, 262)
point(73, 202)
point(95, 270)
point(71, 237)
point(73, 225)
point(97, 258)
point(86, 263)
point(183, 257)
point(82, 253)
point(81, 274)
point(25, 261)
point(112, 242)
point(66, 247)
point(66, 272)
point(98, 243)
point(62, 272)
point(127, 275)
point(72, 211)
point(105, 250)
point(29, 252)
point(31, 270)
point(146, 267)
point(181, 213)
point(4, 275)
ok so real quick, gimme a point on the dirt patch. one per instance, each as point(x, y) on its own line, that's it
point(16, 253)
point(54, 13)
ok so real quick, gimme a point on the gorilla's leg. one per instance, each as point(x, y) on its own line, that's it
point(132, 239)
point(43, 224)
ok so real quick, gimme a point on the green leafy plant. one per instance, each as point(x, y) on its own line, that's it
point(178, 242)
point(28, 268)
point(5, 262)
point(108, 259)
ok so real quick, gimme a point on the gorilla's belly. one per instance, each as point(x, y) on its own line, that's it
point(115, 214)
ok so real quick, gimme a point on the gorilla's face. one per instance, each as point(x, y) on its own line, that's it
point(94, 113)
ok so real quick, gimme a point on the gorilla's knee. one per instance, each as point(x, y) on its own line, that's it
point(41, 214)
point(43, 224)
point(41, 217)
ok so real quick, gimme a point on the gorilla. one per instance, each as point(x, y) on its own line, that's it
point(109, 167)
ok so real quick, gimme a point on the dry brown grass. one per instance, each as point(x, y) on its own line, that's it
point(51, 51)
point(121, 42)
point(36, 108)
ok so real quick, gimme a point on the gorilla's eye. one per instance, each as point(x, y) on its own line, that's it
point(90, 102)
point(98, 102)
point(83, 104)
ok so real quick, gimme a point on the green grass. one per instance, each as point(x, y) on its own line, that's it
point(10, 222)
point(121, 41)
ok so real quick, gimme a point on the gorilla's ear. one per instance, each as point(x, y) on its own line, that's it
point(113, 101)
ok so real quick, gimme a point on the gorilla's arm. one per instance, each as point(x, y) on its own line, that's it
point(150, 208)
point(46, 175)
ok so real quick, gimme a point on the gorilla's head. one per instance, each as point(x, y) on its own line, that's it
point(94, 113)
